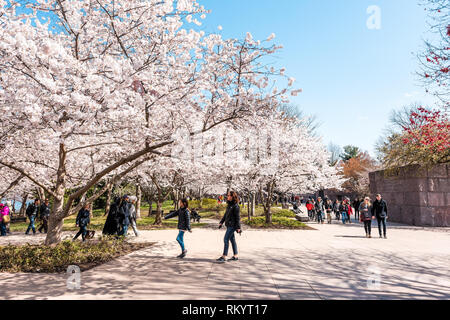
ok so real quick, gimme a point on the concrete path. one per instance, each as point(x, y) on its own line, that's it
point(334, 262)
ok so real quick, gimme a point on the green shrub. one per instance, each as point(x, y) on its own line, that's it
point(195, 204)
point(283, 213)
point(48, 259)
point(277, 222)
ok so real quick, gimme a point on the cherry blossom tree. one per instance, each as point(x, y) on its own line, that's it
point(90, 90)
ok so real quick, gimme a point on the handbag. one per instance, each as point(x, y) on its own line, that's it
point(90, 234)
point(6, 219)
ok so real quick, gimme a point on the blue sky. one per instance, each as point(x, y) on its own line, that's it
point(352, 76)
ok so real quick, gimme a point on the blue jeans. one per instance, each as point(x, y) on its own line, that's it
point(229, 237)
point(31, 225)
point(180, 239)
point(344, 217)
point(124, 230)
point(3, 228)
point(319, 217)
point(82, 232)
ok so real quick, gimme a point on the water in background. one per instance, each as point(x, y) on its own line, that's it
point(18, 204)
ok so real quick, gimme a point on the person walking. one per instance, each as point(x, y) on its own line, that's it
point(336, 209)
point(310, 208)
point(366, 216)
point(9, 217)
point(124, 215)
point(133, 215)
point(356, 204)
point(44, 215)
point(4, 218)
point(380, 211)
point(343, 208)
point(232, 220)
point(83, 220)
point(329, 210)
point(349, 210)
point(32, 212)
point(319, 210)
point(184, 224)
point(111, 226)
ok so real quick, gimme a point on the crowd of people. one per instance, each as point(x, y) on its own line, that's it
point(122, 215)
point(365, 211)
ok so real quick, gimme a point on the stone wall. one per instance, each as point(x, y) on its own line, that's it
point(415, 195)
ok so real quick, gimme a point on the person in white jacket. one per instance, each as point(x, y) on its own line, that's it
point(133, 216)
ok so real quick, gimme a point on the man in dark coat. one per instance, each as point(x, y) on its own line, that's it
point(44, 215)
point(32, 212)
point(83, 220)
point(379, 210)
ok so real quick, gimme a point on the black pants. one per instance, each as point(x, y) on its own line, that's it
point(82, 232)
point(44, 225)
point(380, 222)
point(368, 226)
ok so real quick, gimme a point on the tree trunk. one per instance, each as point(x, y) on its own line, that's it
point(248, 207)
point(23, 208)
point(253, 202)
point(108, 200)
point(41, 194)
point(158, 220)
point(138, 202)
point(150, 203)
point(55, 223)
point(268, 205)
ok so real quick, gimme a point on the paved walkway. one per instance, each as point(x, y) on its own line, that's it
point(334, 262)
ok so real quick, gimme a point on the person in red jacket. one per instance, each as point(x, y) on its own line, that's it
point(310, 208)
point(350, 211)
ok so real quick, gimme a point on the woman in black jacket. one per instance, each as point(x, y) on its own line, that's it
point(83, 219)
point(112, 221)
point(184, 224)
point(232, 221)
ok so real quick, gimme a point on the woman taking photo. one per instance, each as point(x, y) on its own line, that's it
point(232, 220)
point(184, 224)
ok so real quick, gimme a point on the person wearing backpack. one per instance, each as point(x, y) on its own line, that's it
point(366, 217)
point(32, 212)
point(379, 210)
point(232, 220)
point(184, 224)
point(83, 220)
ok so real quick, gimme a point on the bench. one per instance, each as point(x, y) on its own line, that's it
point(18, 219)
point(154, 212)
